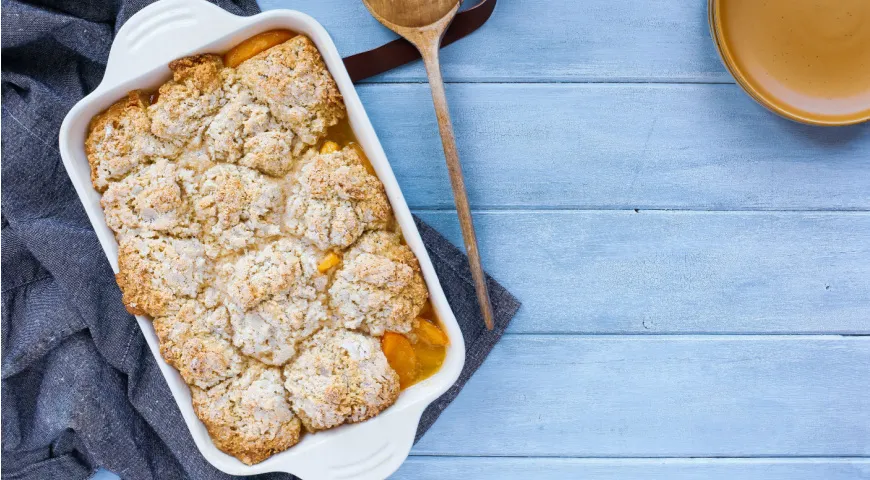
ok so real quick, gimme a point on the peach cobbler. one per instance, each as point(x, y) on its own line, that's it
point(255, 234)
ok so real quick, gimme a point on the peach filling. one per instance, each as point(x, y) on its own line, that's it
point(330, 260)
point(255, 45)
point(416, 361)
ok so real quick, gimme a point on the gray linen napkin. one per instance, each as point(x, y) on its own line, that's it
point(80, 387)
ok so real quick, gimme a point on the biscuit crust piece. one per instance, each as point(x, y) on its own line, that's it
point(241, 117)
point(293, 81)
point(154, 199)
point(244, 132)
point(272, 330)
point(120, 139)
point(274, 152)
point(379, 287)
point(283, 267)
point(157, 274)
point(196, 341)
point(236, 206)
point(335, 199)
point(341, 377)
point(186, 104)
point(248, 416)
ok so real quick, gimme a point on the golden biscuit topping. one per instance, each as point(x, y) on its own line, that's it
point(379, 287)
point(185, 105)
point(157, 274)
point(196, 341)
point(335, 200)
point(272, 330)
point(154, 199)
point(284, 267)
point(119, 140)
point(249, 416)
point(293, 81)
point(341, 377)
point(255, 242)
point(236, 206)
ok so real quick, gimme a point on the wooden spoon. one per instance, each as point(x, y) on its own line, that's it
point(423, 22)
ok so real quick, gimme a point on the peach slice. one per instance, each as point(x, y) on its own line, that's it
point(400, 354)
point(429, 333)
point(255, 45)
point(329, 261)
point(329, 147)
point(429, 359)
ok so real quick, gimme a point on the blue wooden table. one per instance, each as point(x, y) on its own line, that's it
point(695, 271)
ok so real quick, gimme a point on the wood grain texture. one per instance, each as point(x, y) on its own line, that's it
point(683, 396)
point(437, 468)
point(457, 180)
point(551, 41)
point(706, 147)
point(678, 272)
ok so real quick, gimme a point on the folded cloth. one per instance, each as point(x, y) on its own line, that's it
point(81, 389)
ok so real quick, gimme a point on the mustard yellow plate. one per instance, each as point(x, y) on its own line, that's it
point(807, 60)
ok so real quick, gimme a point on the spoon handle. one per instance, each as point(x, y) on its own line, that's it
point(433, 69)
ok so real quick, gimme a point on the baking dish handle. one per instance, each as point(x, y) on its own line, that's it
point(366, 451)
point(191, 23)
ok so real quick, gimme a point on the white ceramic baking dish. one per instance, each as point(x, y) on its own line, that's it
point(170, 29)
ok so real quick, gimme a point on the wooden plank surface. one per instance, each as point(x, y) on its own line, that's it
point(677, 272)
point(662, 396)
point(619, 146)
point(423, 468)
point(551, 41)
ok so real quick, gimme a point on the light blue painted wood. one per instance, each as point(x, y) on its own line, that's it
point(618, 146)
point(437, 468)
point(666, 396)
point(545, 40)
point(678, 272)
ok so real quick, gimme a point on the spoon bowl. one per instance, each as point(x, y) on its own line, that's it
point(411, 13)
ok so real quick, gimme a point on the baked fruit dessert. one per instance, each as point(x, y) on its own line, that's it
point(265, 252)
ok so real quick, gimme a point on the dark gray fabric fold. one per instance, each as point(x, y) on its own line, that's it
point(81, 389)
